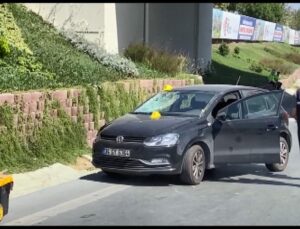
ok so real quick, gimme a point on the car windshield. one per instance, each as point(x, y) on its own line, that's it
point(186, 103)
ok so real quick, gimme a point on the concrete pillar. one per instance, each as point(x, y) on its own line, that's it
point(110, 28)
point(204, 41)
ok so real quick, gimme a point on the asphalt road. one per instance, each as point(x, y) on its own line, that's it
point(231, 195)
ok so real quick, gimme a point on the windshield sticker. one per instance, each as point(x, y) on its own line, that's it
point(155, 115)
point(168, 87)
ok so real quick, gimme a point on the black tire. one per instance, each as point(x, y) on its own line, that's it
point(193, 160)
point(284, 157)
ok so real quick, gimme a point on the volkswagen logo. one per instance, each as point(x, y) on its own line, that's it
point(119, 139)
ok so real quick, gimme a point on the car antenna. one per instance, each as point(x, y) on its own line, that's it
point(237, 82)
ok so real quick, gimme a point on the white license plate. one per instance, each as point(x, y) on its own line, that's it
point(117, 152)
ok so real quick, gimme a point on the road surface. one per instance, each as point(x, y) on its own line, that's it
point(231, 195)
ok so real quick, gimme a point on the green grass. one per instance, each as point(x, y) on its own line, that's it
point(227, 69)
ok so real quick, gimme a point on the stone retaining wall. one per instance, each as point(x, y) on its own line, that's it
point(30, 106)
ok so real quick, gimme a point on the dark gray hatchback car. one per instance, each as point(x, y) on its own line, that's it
point(199, 128)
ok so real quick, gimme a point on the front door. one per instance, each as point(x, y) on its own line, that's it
point(248, 130)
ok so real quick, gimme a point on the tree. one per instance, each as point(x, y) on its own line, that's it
point(222, 6)
point(295, 20)
point(273, 12)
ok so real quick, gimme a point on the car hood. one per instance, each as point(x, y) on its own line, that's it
point(140, 125)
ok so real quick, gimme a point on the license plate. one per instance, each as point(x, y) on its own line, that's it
point(116, 152)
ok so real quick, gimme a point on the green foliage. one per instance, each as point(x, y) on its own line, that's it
point(256, 67)
point(273, 52)
point(112, 61)
point(237, 50)
point(293, 57)
point(277, 64)
point(68, 66)
point(224, 49)
point(44, 143)
point(159, 60)
point(273, 12)
point(4, 47)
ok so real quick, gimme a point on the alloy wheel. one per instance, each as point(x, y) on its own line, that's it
point(283, 153)
point(198, 164)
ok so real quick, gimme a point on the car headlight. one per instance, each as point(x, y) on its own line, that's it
point(167, 140)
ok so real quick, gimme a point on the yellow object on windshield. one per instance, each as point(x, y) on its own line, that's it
point(168, 87)
point(155, 115)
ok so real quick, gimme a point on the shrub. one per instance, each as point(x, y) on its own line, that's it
point(256, 67)
point(278, 65)
point(270, 64)
point(113, 61)
point(237, 50)
point(272, 52)
point(224, 49)
point(157, 59)
point(4, 47)
point(293, 57)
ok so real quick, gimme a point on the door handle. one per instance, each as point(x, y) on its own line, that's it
point(271, 127)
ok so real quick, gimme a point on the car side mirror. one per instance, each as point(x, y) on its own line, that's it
point(221, 116)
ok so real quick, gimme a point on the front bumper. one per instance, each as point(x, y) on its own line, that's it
point(140, 158)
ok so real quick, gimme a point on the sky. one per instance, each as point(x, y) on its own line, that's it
point(294, 5)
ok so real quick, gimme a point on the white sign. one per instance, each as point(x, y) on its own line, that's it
point(269, 31)
point(230, 26)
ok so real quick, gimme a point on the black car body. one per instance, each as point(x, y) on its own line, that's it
point(225, 132)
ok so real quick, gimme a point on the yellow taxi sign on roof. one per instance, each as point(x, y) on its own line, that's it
point(5, 179)
point(168, 87)
point(155, 115)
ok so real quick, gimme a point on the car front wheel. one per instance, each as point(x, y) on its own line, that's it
point(193, 167)
point(284, 157)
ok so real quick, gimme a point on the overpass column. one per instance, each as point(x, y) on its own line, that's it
point(204, 41)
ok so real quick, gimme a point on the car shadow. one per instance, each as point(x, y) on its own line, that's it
point(151, 180)
point(232, 173)
point(228, 174)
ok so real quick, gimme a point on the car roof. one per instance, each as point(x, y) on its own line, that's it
point(216, 88)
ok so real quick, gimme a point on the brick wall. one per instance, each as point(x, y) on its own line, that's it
point(31, 105)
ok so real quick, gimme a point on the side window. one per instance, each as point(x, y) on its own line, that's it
point(249, 92)
point(262, 105)
point(225, 101)
point(234, 112)
point(186, 102)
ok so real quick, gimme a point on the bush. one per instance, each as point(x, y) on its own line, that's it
point(237, 50)
point(157, 59)
point(115, 62)
point(4, 47)
point(256, 67)
point(293, 57)
point(272, 52)
point(278, 65)
point(224, 49)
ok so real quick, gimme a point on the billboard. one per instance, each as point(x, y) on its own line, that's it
point(292, 37)
point(278, 33)
point(230, 26)
point(246, 28)
point(286, 32)
point(269, 31)
point(217, 23)
point(259, 30)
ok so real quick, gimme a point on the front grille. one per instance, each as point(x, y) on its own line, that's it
point(126, 138)
point(118, 162)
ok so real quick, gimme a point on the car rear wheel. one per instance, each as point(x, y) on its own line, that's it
point(284, 157)
point(193, 167)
